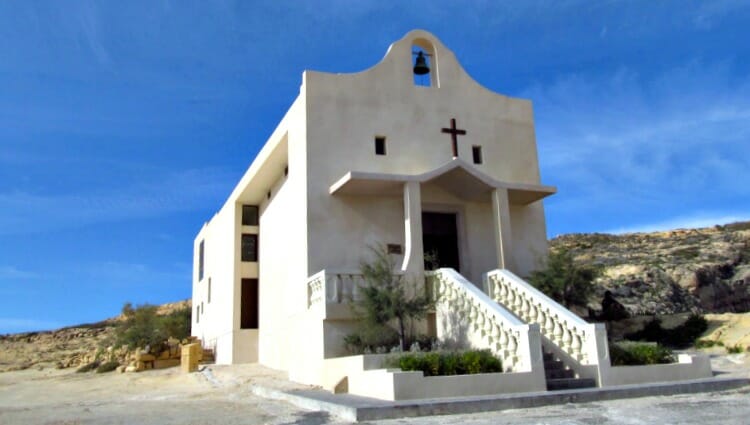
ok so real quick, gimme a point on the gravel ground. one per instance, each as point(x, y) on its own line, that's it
point(221, 395)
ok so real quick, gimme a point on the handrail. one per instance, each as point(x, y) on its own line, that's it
point(576, 337)
point(515, 342)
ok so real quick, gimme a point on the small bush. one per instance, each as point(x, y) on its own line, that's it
point(88, 367)
point(107, 366)
point(634, 354)
point(680, 337)
point(707, 343)
point(734, 350)
point(142, 326)
point(448, 363)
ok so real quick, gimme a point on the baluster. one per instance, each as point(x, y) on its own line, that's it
point(533, 313)
point(549, 325)
point(567, 340)
point(512, 349)
point(518, 302)
point(557, 335)
point(575, 347)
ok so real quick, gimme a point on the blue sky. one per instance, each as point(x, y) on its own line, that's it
point(125, 125)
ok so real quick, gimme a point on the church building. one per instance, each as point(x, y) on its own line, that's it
point(411, 154)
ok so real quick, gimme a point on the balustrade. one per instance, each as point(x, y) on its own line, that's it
point(500, 331)
point(563, 328)
point(334, 287)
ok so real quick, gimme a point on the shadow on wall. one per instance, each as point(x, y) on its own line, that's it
point(455, 329)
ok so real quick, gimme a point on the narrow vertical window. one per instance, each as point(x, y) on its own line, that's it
point(197, 314)
point(379, 145)
point(476, 152)
point(249, 247)
point(200, 261)
point(249, 304)
point(209, 290)
point(249, 215)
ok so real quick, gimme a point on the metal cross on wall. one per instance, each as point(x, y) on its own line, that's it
point(454, 132)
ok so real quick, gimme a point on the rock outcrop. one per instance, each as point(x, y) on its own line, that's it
point(697, 270)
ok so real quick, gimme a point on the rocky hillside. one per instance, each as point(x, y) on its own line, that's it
point(700, 270)
point(63, 348)
point(696, 270)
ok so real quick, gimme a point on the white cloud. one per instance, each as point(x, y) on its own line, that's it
point(687, 222)
point(16, 325)
point(11, 272)
point(629, 139)
point(187, 190)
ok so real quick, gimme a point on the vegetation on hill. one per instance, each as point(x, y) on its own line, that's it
point(565, 281)
point(679, 271)
point(142, 326)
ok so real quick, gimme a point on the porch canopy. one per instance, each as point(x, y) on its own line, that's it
point(455, 176)
point(458, 178)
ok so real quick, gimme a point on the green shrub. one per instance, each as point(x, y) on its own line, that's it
point(88, 367)
point(680, 337)
point(107, 366)
point(707, 343)
point(448, 363)
point(142, 326)
point(633, 354)
point(734, 350)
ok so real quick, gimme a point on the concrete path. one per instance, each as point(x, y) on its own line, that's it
point(223, 395)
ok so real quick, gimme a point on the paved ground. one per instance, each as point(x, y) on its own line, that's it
point(223, 397)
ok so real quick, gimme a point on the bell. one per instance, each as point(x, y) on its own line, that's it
point(420, 66)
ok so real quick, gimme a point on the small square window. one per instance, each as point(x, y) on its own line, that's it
point(476, 152)
point(249, 215)
point(380, 145)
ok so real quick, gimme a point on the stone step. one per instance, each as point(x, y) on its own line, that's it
point(558, 374)
point(554, 364)
point(569, 383)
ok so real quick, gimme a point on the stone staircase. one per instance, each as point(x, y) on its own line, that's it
point(561, 377)
point(208, 356)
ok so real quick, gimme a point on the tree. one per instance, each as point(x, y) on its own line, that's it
point(388, 300)
point(565, 281)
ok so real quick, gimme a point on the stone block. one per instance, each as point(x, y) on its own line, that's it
point(144, 357)
point(162, 364)
point(190, 357)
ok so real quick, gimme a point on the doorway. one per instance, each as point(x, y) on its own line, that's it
point(440, 240)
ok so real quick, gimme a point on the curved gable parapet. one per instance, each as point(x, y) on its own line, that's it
point(395, 69)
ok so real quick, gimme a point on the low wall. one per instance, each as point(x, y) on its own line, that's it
point(395, 385)
point(687, 367)
point(336, 370)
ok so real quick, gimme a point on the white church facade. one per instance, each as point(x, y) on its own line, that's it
point(416, 163)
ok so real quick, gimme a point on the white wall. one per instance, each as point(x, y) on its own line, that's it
point(529, 236)
point(214, 327)
point(347, 111)
point(282, 252)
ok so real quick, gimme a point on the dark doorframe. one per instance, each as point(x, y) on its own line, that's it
point(440, 237)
